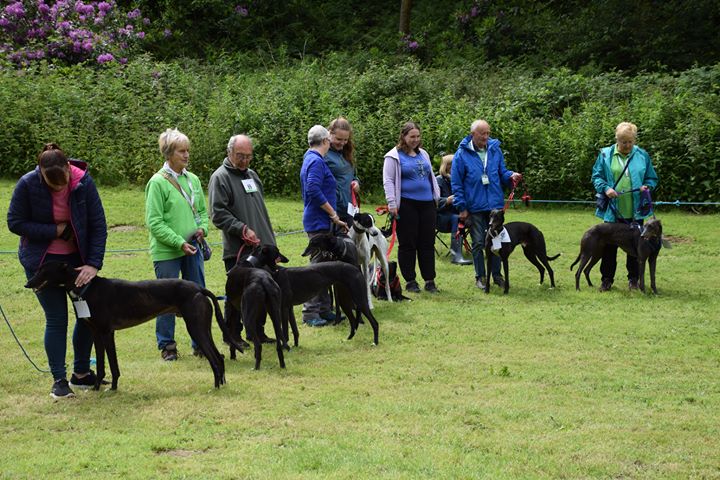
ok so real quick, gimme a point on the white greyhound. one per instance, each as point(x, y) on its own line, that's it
point(370, 242)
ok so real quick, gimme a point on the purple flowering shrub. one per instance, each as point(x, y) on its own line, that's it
point(68, 31)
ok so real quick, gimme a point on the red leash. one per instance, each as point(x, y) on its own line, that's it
point(384, 210)
point(246, 243)
point(511, 198)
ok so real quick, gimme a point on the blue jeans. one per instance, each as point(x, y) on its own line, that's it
point(193, 269)
point(53, 301)
point(479, 222)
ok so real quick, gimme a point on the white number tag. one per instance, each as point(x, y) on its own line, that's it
point(81, 309)
point(250, 186)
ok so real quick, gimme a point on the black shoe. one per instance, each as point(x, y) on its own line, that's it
point(606, 285)
point(412, 286)
point(499, 281)
point(169, 352)
point(87, 381)
point(430, 287)
point(61, 389)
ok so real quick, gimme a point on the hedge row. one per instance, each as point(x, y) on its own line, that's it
point(551, 125)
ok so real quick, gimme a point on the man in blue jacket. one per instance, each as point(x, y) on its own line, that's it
point(478, 174)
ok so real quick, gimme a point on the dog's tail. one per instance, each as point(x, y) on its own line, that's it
point(550, 259)
point(221, 320)
point(576, 261)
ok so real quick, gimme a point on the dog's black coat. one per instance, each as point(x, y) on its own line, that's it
point(521, 233)
point(300, 284)
point(643, 243)
point(331, 248)
point(117, 304)
point(254, 293)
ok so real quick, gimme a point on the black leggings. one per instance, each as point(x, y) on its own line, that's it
point(416, 238)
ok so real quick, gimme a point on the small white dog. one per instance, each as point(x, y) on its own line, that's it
point(370, 242)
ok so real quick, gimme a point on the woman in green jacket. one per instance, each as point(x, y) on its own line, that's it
point(623, 172)
point(177, 219)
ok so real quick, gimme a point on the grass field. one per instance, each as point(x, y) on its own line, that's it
point(539, 383)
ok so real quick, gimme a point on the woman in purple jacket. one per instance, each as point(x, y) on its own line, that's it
point(412, 193)
point(58, 214)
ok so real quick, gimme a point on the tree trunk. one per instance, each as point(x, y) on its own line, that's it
point(405, 7)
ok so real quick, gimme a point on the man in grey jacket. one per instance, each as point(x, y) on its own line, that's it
point(237, 205)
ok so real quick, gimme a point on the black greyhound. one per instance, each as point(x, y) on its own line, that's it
point(299, 284)
point(520, 233)
point(253, 292)
point(116, 304)
point(331, 247)
point(641, 242)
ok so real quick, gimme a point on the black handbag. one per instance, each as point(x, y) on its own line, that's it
point(205, 249)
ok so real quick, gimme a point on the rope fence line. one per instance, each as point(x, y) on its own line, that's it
point(676, 203)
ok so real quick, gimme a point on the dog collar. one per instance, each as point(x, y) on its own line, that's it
point(253, 261)
point(75, 296)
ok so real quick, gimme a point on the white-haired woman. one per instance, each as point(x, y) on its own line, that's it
point(319, 194)
point(622, 172)
point(177, 219)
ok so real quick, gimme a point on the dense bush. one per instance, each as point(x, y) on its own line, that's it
point(551, 125)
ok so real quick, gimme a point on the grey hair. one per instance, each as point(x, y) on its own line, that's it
point(231, 142)
point(476, 124)
point(317, 134)
point(169, 141)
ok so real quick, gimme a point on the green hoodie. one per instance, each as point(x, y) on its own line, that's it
point(168, 215)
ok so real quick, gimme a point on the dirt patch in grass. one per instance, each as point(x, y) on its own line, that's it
point(678, 239)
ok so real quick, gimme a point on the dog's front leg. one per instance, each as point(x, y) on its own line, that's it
point(488, 254)
point(651, 261)
point(109, 340)
point(505, 262)
point(641, 271)
point(99, 359)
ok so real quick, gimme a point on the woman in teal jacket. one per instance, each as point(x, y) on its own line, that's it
point(624, 187)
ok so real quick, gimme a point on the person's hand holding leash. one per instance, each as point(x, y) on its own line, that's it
point(516, 177)
point(86, 274)
point(611, 193)
point(463, 216)
point(188, 249)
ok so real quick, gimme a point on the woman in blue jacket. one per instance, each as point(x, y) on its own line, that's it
point(58, 214)
point(623, 171)
point(318, 188)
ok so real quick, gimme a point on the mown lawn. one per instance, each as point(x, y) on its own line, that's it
point(537, 384)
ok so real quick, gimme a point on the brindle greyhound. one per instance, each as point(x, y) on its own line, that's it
point(116, 304)
point(642, 242)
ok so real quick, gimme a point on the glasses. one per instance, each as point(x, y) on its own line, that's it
point(244, 156)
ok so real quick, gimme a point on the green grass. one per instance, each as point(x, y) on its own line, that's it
point(537, 384)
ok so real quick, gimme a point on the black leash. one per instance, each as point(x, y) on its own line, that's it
point(20, 344)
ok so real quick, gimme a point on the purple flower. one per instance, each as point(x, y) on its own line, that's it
point(123, 60)
point(43, 8)
point(4, 22)
point(167, 33)
point(141, 35)
point(87, 46)
point(241, 10)
point(134, 14)
point(105, 57)
point(104, 7)
point(146, 21)
point(474, 11)
point(155, 74)
point(98, 20)
point(15, 10)
point(413, 45)
point(64, 25)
